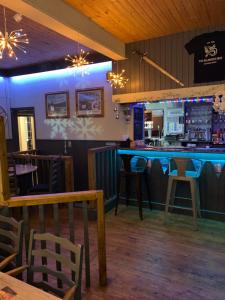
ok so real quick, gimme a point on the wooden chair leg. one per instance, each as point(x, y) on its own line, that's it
point(139, 195)
point(194, 206)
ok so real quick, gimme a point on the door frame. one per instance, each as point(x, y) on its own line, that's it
point(20, 111)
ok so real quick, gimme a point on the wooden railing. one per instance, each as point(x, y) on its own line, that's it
point(43, 162)
point(102, 171)
point(53, 201)
point(50, 205)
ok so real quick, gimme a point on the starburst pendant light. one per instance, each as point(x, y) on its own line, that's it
point(78, 60)
point(117, 80)
point(14, 39)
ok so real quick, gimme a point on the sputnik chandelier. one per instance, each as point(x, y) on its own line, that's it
point(78, 60)
point(117, 80)
point(14, 39)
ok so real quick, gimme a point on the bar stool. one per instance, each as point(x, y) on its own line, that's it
point(136, 167)
point(182, 173)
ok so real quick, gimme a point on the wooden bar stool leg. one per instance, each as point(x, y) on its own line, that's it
point(127, 179)
point(198, 199)
point(148, 190)
point(173, 193)
point(169, 188)
point(118, 193)
point(193, 198)
point(139, 195)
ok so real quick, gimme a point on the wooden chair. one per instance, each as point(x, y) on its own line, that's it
point(70, 264)
point(11, 243)
point(136, 167)
point(179, 170)
point(13, 184)
point(55, 181)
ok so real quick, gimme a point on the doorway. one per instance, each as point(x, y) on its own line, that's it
point(23, 128)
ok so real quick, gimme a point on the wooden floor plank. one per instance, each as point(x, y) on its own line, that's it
point(147, 260)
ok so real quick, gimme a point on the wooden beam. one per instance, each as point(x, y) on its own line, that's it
point(4, 177)
point(196, 91)
point(61, 18)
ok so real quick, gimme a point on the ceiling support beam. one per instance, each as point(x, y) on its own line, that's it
point(61, 18)
point(189, 92)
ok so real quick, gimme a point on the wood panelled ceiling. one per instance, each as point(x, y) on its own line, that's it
point(134, 20)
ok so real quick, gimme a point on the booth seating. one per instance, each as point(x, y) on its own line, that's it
point(189, 170)
point(133, 167)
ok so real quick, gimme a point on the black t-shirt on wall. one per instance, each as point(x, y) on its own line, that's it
point(209, 61)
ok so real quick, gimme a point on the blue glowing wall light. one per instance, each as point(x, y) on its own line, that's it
point(95, 68)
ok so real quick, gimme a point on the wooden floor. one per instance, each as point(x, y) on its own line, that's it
point(148, 260)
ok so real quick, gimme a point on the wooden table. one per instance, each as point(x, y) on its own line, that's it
point(24, 169)
point(24, 173)
point(23, 290)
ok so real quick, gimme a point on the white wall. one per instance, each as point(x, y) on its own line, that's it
point(30, 90)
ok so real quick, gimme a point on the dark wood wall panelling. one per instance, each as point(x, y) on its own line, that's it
point(169, 53)
point(79, 152)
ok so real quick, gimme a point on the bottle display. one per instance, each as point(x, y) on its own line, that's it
point(198, 122)
point(218, 128)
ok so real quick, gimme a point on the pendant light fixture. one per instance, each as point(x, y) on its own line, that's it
point(10, 41)
point(117, 80)
point(79, 59)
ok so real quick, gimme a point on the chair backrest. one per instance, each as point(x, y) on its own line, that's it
point(69, 258)
point(182, 164)
point(11, 238)
point(13, 186)
point(134, 163)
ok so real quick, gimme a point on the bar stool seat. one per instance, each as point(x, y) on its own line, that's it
point(136, 167)
point(193, 174)
point(179, 170)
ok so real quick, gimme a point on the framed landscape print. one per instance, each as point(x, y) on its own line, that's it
point(57, 105)
point(90, 102)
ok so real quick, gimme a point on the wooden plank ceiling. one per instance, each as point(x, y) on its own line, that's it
point(134, 20)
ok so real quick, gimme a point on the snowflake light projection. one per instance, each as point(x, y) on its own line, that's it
point(84, 128)
point(58, 127)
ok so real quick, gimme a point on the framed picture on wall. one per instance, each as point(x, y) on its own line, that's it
point(57, 105)
point(90, 102)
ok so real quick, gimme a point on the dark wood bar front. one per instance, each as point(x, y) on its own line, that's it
point(211, 180)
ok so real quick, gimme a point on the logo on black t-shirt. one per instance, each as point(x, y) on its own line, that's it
point(209, 51)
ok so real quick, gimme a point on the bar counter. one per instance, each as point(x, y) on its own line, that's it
point(211, 181)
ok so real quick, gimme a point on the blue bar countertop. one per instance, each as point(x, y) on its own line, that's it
point(215, 155)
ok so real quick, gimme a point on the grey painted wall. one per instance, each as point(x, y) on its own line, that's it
point(169, 53)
